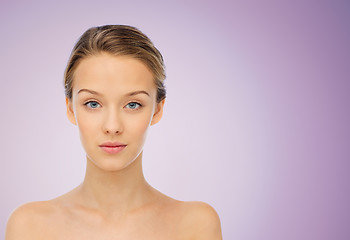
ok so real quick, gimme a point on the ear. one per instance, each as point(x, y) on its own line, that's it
point(158, 113)
point(70, 112)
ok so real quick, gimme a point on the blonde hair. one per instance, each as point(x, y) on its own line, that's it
point(119, 40)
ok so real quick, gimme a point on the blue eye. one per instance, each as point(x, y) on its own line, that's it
point(92, 104)
point(133, 105)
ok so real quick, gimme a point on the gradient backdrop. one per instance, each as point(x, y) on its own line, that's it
point(256, 120)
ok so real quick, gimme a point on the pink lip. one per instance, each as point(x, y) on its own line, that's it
point(112, 147)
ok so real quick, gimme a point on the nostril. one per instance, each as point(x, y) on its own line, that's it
point(112, 132)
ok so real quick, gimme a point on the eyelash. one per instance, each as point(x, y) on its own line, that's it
point(139, 105)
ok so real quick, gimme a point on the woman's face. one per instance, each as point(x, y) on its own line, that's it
point(113, 104)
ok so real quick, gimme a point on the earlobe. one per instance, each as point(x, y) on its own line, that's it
point(70, 112)
point(158, 113)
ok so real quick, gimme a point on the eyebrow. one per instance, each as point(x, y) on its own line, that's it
point(89, 91)
point(128, 94)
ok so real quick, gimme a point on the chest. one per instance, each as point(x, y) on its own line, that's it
point(127, 228)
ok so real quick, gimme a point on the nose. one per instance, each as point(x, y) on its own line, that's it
point(112, 122)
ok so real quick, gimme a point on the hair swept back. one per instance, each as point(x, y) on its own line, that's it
point(118, 40)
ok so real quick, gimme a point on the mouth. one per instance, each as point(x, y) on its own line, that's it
point(112, 147)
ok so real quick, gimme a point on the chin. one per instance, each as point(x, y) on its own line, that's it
point(111, 164)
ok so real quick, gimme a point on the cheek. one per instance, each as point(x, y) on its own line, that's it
point(87, 124)
point(139, 126)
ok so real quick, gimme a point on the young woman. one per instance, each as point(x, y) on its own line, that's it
point(114, 93)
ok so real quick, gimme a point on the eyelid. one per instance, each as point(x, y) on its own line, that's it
point(91, 100)
point(134, 101)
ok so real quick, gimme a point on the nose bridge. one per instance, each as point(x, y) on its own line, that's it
point(113, 122)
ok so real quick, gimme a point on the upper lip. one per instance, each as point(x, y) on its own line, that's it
point(112, 144)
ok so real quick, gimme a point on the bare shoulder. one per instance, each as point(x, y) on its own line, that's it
point(25, 221)
point(199, 220)
point(204, 220)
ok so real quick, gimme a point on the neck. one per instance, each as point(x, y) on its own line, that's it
point(117, 191)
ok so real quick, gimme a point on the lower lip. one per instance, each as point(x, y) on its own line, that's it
point(112, 150)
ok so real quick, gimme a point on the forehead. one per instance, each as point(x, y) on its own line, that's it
point(110, 74)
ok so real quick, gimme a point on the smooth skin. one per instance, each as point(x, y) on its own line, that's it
point(114, 99)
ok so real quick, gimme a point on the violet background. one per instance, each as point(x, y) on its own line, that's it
point(256, 120)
